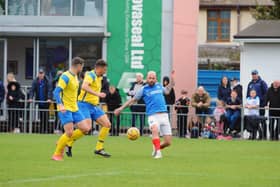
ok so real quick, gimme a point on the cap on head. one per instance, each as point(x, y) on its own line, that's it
point(41, 70)
point(254, 72)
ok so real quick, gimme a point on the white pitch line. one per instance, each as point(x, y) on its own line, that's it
point(59, 177)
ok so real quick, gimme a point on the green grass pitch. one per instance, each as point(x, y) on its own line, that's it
point(25, 161)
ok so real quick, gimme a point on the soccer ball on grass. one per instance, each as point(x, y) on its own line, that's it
point(133, 133)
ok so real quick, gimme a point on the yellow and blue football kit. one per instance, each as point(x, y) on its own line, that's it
point(88, 105)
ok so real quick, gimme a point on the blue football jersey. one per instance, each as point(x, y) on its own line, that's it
point(153, 98)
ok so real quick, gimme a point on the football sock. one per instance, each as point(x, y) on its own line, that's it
point(61, 143)
point(77, 134)
point(101, 137)
point(156, 143)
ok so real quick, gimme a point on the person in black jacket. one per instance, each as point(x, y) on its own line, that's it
point(182, 109)
point(273, 102)
point(114, 101)
point(224, 89)
point(42, 91)
point(15, 99)
point(2, 95)
point(169, 98)
point(138, 109)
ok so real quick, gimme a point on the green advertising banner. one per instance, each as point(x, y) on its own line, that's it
point(135, 41)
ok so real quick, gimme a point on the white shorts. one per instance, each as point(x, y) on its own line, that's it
point(162, 122)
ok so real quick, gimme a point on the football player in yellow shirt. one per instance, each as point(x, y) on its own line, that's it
point(88, 105)
point(66, 94)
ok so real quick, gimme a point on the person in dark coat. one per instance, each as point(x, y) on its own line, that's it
point(261, 88)
point(114, 101)
point(2, 95)
point(224, 89)
point(169, 98)
point(182, 108)
point(273, 102)
point(235, 85)
point(41, 90)
point(15, 104)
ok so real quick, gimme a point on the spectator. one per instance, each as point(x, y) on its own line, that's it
point(2, 95)
point(14, 101)
point(138, 109)
point(261, 88)
point(251, 113)
point(169, 98)
point(41, 89)
point(201, 101)
point(114, 102)
point(233, 114)
point(182, 108)
point(194, 127)
point(208, 129)
point(219, 115)
point(54, 84)
point(224, 89)
point(235, 85)
point(273, 102)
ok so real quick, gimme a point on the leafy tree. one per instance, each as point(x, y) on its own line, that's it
point(267, 12)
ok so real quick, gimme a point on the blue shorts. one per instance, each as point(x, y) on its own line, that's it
point(90, 111)
point(68, 117)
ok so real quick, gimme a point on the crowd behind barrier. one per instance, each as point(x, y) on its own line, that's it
point(27, 119)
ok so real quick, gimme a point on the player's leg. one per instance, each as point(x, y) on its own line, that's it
point(67, 122)
point(154, 127)
point(105, 123)
point(165, 130)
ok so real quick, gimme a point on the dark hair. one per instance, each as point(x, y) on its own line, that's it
point(77, 60)
point(100, 63)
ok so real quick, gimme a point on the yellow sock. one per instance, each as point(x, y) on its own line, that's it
point(101, 137)
point(61, 143)
point(77, 134)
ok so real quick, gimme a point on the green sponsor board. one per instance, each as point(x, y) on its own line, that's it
point(135, 41)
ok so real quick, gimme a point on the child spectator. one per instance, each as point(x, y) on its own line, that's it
point(251, 113)
point(194, 127)
point(182, 113)
point(208, 129)
point(219, 115)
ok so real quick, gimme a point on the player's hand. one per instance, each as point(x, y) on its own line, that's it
point(172, 74)
point(117, 111)
point(61, 108)
point(102, 95)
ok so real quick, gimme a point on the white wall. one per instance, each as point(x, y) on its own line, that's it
point(263, 57)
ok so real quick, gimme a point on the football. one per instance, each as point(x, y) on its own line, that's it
point(133, 133)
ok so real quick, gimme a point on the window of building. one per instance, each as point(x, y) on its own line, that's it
point(218, 25)
point(2, 7)
point(20, 7)
point(54, 55)
point(55, 7)
point(90, 49)
point(88, 8)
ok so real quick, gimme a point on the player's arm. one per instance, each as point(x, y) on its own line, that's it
point(171, 84)
point(87, 88)
point(137, 97)
point(62, 83)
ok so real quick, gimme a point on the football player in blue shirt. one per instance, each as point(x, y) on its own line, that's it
point(156, 109)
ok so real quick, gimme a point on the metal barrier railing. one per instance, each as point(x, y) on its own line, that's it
point(36, 118)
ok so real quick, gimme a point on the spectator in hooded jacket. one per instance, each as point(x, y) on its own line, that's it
point(224, 89)
point(114, 101)
point(169, 98)
point(2, 95)
point(273, 102)
point(235, 85)
point(261, 89)
point(41, 90)
point(15, 103)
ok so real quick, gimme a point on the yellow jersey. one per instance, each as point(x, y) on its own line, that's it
point(95, 84)
point(69, 84)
